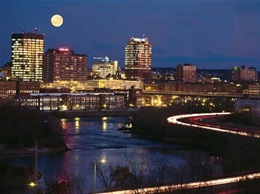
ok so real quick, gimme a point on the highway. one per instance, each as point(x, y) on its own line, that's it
point(184, 93)
point(206, 94)
point(175, 120)
point(194, 185)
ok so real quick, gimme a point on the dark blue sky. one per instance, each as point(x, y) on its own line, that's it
point(210, 33)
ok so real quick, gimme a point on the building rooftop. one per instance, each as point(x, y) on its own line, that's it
point(30, 35)
point(62, 50)
point(252, 68)
point(139, 39)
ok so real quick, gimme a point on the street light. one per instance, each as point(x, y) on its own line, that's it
point(32, 184)
point(36, 187)
point(95, 173)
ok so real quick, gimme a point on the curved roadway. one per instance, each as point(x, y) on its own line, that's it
point(193, 185)
point(175, 120)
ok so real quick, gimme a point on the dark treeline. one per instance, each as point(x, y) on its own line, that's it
point(13, 178)
point(21, 126)
point(242, 118)
point(239, 154)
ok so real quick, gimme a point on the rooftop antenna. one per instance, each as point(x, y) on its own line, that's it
point(36, 30)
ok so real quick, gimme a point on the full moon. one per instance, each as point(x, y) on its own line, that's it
point(56, 20)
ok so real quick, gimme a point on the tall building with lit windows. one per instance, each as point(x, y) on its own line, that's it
point(27, 56)
point(138, 59)
point(64, 65)
point(185, 73)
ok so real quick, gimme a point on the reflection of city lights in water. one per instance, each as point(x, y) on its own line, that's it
point(104, 126)
point(77, 123)
point(103, 157)
point(63, 123)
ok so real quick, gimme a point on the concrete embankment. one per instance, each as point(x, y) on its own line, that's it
point(98, 113)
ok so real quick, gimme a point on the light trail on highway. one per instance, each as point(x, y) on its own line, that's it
point(174, 120)
point(194, 185)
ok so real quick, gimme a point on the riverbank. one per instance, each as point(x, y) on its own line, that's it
point(184, 143)
point(21, 127)
point(96, 113)
point(31, 151)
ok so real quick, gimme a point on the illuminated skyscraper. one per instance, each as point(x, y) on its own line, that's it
point(27, 55)
point(64, 65)
point(138, 59)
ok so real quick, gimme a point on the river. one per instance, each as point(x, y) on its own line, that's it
point(97, 139)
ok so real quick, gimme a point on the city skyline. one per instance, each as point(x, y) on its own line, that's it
point(209, 34)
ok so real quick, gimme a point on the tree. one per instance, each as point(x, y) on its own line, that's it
point(64, 184)
point(103, 174)
point(121, 176)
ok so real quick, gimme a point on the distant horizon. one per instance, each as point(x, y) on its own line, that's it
point(181, 64)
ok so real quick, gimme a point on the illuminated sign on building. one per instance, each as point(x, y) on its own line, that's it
point(64, 49)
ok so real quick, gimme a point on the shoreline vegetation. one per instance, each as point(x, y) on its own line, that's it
point(238, 153)
point(30, 151)
point(20, 128)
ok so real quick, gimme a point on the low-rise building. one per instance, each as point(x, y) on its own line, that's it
point(250, 105)
point(252, 89)
point(7, 70)
point(71, 101)
point(105, 67)
point(11, 89)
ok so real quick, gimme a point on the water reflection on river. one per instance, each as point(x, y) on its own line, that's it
point(96, 139)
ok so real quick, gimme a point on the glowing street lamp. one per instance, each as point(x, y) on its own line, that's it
point(32, 184)
point(36, 187)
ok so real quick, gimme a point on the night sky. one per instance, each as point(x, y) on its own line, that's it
point(210, 34)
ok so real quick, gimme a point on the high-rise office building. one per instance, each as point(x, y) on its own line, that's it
point(185, 73)
point(138, 59)
point(104, 67)
point(64, 65)
point(27, 55)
